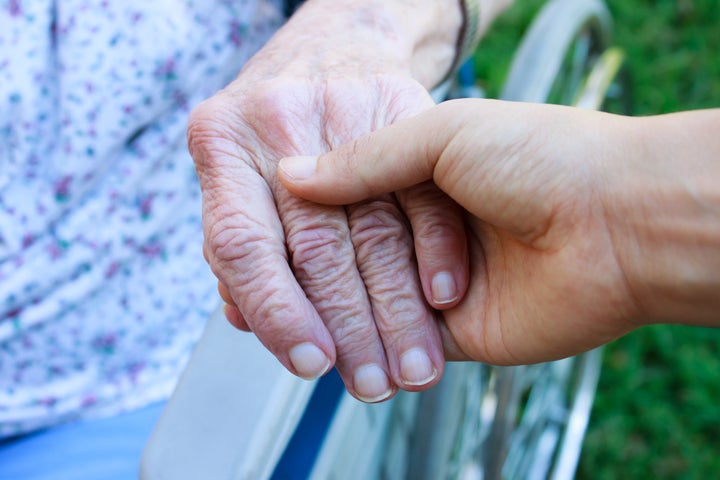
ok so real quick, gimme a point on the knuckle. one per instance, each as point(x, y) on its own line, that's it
point(437, 222)
point(271, 315)
point(354, 336)
point(324, 264)
point(215, 148)
point(239, 253)
point(204, 128)
point(435, 225)
point(352, 333)
point(242, 122)
point(413, 329)
point(264, 305)
point(435, 236)
point(278, 112)
point(316, 247)
point(379, 232)
point(404, 317)
point(233, 242)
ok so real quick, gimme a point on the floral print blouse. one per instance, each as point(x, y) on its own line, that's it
point(103, 287)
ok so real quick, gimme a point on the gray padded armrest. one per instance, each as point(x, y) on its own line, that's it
point(231, 415)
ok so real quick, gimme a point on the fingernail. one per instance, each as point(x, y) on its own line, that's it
point(416, 367)
point(371, 383)
point(444, 289)
point(309, 361)
point(298, 168)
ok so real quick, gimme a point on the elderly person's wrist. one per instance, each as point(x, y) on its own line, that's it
point(443, 33)
point(414, 37)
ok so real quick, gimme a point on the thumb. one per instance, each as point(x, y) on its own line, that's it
point(484, 154)
point(390, 159)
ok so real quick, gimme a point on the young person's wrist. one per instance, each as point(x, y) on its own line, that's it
point(665, 216)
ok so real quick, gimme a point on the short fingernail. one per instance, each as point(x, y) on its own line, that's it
point(444, 289)
point(309, 361)
point(416, 367)
point(299, 168)
point(371, 383)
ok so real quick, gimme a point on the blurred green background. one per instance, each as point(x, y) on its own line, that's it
point(657, 411)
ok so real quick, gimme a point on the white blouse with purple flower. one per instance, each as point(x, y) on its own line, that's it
point(103, 287)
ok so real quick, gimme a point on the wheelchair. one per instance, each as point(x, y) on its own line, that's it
point(238, 414)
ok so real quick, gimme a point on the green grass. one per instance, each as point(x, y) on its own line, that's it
point(657, 412)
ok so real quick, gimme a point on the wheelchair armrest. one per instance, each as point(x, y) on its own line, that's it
point(231, 415)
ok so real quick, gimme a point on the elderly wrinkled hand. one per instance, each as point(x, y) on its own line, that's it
point(328, 285)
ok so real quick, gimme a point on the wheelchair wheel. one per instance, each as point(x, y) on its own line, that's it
point(527, 422)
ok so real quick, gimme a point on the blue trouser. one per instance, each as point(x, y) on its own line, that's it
point(105, 449)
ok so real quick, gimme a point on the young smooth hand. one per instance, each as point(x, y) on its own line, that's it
point(581, 226)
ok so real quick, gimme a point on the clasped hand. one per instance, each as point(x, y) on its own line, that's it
point(325, 286)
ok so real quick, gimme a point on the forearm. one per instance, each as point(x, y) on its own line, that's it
point(667, 208)
point(366, 37)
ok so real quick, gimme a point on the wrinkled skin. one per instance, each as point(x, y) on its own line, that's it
point(344, 279)
point(547, 280)
point(581, 225)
